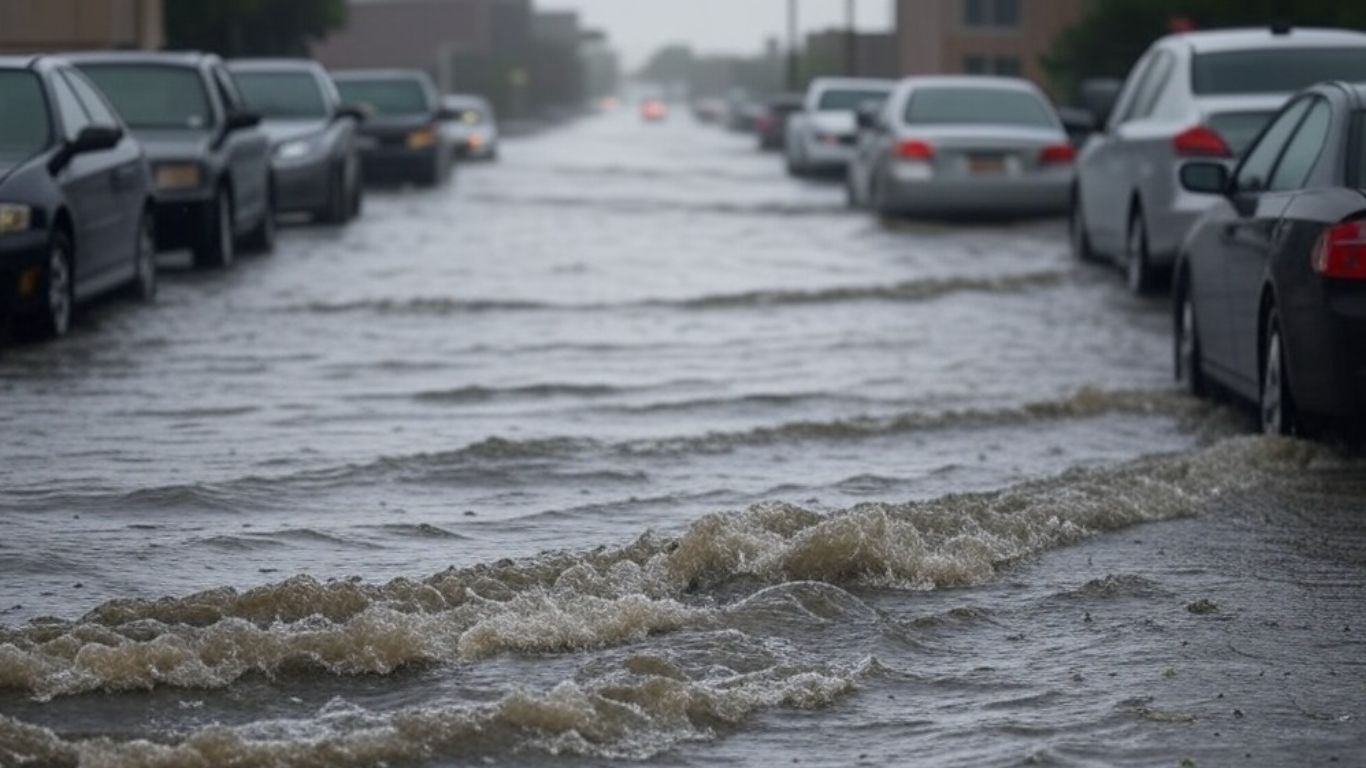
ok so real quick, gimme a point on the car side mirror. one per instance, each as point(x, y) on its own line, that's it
point(348, 112)
point(240, 121)
point(867, 117)
point(1099, 96)
point(1205, 178)
point(92, 138)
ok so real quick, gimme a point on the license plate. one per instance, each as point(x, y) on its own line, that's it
point(986, 165)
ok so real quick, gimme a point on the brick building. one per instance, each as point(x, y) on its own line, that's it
point(32, 26)
point(1004, 37)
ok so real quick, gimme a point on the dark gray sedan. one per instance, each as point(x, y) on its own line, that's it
point(403, 136)
point(315, 158)
point(1271, 283)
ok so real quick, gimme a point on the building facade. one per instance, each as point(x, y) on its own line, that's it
point(837, 52)
point(1000, 37)
point(32, 26)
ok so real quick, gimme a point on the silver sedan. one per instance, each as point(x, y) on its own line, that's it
point(963, 146)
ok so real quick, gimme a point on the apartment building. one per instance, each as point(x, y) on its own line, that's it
point(1000, 37)
point(30, 26)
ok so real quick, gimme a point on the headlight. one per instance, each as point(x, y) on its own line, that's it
point(174, 176)
point(15, 218)
point(298, 148)
point(422, 138)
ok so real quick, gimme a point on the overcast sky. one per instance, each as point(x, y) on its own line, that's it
point(639, 27)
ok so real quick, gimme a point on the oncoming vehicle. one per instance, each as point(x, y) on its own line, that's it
point(403, 140)
point(315, 161)
point(952, 146)
point(1271, 283)
point(821, 137)
point(210, 160)
point(1192, 95)
point(76, 215)
point(472, 126)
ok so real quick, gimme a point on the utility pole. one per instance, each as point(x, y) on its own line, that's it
point(793, 53)
point(850, 39)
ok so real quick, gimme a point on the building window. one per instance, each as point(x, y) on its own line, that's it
point(991, 14)
point(975, 65)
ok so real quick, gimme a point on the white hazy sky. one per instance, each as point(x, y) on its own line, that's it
point(639, 27)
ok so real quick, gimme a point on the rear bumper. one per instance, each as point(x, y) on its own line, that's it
point(1170, 215)
point(22, 259)
point(302, 188)
point(1045, 194)
point(828, 155)
point(394, 165)
point(1327, 344)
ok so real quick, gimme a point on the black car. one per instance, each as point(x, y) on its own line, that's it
point(1271, 282)
point(210, 160)
point(403, 126)
point(772, 124)
point(313, 138)
point(75, 196)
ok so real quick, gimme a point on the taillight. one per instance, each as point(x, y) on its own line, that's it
point(915, 150)
point(1341, 251)
point(1201, 141)
point(1057, 154)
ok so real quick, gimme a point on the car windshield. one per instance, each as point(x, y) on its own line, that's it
point(1239, 129)
point(25, 128)
point(1274, 71)
point(848, 100)
point(154, 96)
point(283, 95)
point(393, 96)
point(978, 106)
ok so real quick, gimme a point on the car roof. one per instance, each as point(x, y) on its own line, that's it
point(465, 98)
point(851, 82)
point(1222, 40)
point(18, 62)
point(1355, 91)
point(274, 65)
point(173, 58)
point(377, 74)
point(970, 81)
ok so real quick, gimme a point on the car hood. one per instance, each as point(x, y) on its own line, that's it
point(395, 125)
point(7, 167)
point(174, 143)
point(281, 131)
point(834, 122)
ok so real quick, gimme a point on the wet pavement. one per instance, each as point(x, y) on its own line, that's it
point(629, 447)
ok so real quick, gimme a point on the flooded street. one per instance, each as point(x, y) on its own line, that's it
point(630, 447)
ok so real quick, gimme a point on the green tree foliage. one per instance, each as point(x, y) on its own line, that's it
point(1114, 33)
point(252, 27)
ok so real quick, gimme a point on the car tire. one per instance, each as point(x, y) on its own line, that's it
point(52, 320)
point(217, 247)
point(337, 211)
point(1277, 404)
point(261, 239)
point(1080, 238)
point(1190, 366)
point(144, 285)
point(357, 198)
point(1138, 269)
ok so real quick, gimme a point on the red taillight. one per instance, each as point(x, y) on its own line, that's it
point(915, 150)
point(1341, 251)
point(767, 123)
point(1201, 141)
point(1057, 154)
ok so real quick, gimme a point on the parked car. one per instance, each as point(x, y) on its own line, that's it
point(472, 127)
point(953, 146)
point(315, 157)
point(403, 137)
point(821, 137)
point(76, 216)
point(210, 160)
point(1271, 283)
point(1192, 95)
point(772, 124)
point(654, 111)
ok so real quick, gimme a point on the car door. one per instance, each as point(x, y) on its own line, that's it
point(1246, 267)
point(88, 182)
point(1142, 142)
point(247, 153)
point(1101, 171)
point(1243, 244)
point(129, 174)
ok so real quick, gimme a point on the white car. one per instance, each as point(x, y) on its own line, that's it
point(1192, 95)
point(821, 137)
point(472, 126)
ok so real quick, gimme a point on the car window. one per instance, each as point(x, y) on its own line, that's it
point(1274, 71)
point(848, 100)
point(94, 104)
point(386, 96)
point(978, 106)
point(74, 118)
point(26, 128)
point(1145, 100)
point(1256, 169)
point(1138, 80)
point(154, 95)
point(283, 95)
point(1304, 149)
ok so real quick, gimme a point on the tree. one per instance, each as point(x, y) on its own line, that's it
point(252, 27)
point(1111, 37)
point(670, 65)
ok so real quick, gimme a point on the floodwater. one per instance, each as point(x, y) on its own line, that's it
point(630, 449)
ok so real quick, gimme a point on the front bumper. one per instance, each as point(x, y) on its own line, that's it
point(1036, 194)
point(182, 218)
point(23, 257)
point(396, 165)
point(302, 188)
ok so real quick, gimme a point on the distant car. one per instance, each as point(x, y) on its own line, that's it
point(315, 157)
point(772, 124)
point(1271, 283)
point(952, 146)
point(653, 110)
point(821, 137)
point(76, 217)
point(1192, 95)
point(403, 137)
point(210, 159)
point(472, 126)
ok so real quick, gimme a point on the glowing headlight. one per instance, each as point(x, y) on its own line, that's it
point(293, 150)
point(15, 218)
point(422, 138)
point(178, 176)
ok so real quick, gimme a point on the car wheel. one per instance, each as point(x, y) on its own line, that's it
point(1189, 363)
point(217, 247)
point(144, 287)
point(1137, 264)
point(357, 204)
point(1080, 238)
point(59, 297)
point(1277, 404)
point(339, 202)
point(262, 238)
